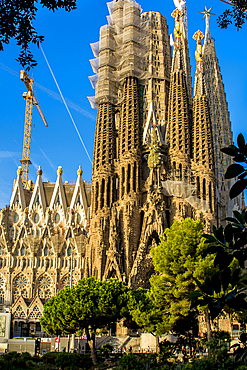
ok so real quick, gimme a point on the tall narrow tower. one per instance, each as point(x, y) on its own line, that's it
point(202, 140)
point(221, 125)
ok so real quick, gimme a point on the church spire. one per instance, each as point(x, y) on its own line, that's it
point(218, 107)
point(206, 14)
point(199, 88)
point(203, 161)
point(179, 122)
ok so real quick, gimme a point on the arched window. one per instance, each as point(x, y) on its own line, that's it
point(198, 187)
point(204, 189)
point(108, 191)
point(180, 172)
point(69, 251)
point(46, 251)
point(57, 218)
point(210, 196)
point(102, 194)
point(123, 181)
point(78, 202)
point(23, 251)
point(96, 196)
point(128, 179)
point(134, 177)
point(36, 218)
point(2, 290)
point(45, 287)
point(16, 218)
point(20, 286)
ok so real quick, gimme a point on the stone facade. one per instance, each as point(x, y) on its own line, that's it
point(156, 159)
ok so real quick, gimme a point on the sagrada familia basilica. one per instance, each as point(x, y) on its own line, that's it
point(156, 159)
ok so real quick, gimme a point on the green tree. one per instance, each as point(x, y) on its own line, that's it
point(87, 307)
point(16, 17)
point(178, 261)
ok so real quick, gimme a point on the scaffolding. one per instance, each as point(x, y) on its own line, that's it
point(121, 51)
point(182, 184)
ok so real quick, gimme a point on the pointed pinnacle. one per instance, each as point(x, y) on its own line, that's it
point(206, 12)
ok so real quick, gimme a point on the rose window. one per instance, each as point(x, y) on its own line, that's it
point(66, 281)
point(20, 287)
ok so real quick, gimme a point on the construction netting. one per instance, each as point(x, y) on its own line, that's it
point(182, 184)
point(121, 51)
point(185, 191)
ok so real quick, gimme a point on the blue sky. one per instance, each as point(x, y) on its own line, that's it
point(67, 48)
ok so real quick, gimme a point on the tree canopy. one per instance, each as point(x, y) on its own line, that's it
point(178, 261)
point(89, 306)
point(235, 14)
point(16, 18)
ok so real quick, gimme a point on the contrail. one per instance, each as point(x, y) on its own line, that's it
point(53, 94)
point(66, 105)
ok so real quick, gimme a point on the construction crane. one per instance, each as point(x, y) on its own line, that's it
point(30, 101)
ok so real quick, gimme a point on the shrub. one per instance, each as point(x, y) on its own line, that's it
point(130, 362)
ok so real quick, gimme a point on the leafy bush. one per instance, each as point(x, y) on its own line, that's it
point(130, 362)
point(66, 360)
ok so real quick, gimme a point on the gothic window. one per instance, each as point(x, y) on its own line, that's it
point(66, 281)
point(58, 200)
point(96, 196)
point(134, 177)
point(19, 313)
point(69, 251)
point(1, 251)
point(12, 234)
point(36, 218)
point(20, 287)
point(78, 217)
point(46, 251)
point(102, 194)
point(23, 251)
point(204, 189)
point(57, 218)
point(210, 196)
point(108, 191)
point(78, 200)
point(128, 179)
point(44, 287)
point(35, 314)
point(198, 187)
point(180, 172)
point(16, 218)
point(123, 180)
point(37, 200)
point(2, 290)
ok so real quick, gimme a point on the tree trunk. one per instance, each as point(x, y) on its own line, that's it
point(157, 344)
point(91, 343)
point(208, 325)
